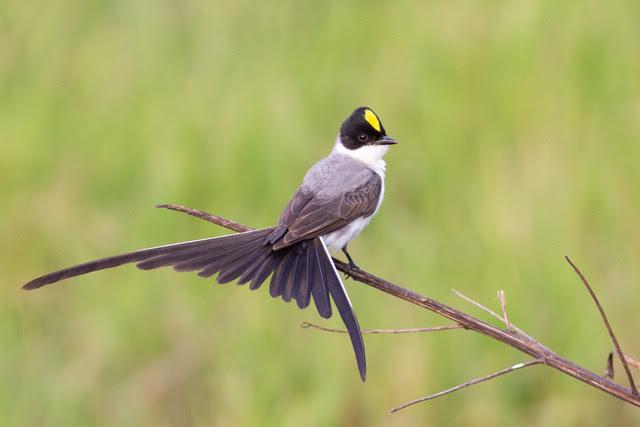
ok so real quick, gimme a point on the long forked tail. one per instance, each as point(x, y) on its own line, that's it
point(301, 271)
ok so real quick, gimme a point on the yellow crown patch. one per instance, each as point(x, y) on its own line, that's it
point(372, 119)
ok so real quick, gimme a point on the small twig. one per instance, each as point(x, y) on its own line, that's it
point(634, 389)
point(503, 305)
point(477, 304)
point(608, 370)
point(214, 219)
point(468, 383)
point(633, 362)
point(514, 328)
point(385, 331)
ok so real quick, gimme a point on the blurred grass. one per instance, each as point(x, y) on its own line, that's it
point(519, 125)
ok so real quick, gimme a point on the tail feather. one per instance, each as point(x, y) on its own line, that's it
point(280, 274)
point(229, 261)
point(292, 278)
point(301, 271)
point(341, 300)
point(177, 249)
point(303, 294)
point(295, 279)
point(318, 283)
point(237, 266)
point(237, 246)
point(229, 274)
point(176, 254)
point(252, 269)
point(266, 268)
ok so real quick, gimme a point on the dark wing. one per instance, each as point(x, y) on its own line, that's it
point(308, 216)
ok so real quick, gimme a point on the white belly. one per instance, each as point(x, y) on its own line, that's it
point(338, 239)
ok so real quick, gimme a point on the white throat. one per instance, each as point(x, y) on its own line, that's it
point(370, 155)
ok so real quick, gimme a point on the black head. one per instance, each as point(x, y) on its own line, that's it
point(363, 127)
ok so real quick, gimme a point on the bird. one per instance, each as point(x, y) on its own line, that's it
point(336, 200)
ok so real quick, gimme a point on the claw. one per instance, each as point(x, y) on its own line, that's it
point(352, 264)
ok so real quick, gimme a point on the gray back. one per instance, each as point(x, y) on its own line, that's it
point(334, 175)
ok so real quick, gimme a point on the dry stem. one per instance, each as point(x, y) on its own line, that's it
point(633, 362)
point(385, 331)
point(503, 305)
point(632, 384)
point(468, 383)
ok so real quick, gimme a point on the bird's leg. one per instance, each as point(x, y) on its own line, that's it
point(352, 264)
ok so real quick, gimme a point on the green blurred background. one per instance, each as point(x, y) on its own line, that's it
point(519, 124)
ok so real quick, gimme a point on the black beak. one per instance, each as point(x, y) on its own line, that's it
point(386, 140)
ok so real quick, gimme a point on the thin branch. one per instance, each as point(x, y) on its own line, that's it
point(468, 383)
point(512, 339)
point(503, 305)
point(214, 219)
point(632, 384)
point(477, 304)
point(513, 329)
point(633, 362)
point(385, 331)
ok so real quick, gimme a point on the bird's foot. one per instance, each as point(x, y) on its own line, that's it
point(352, 265)
point(350, 268)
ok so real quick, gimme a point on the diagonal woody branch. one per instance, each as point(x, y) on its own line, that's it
point(512, 339)
point(614, 340)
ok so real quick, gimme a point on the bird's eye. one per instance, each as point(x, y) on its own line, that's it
point(363, 137)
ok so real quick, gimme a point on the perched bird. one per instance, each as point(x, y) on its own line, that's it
point(338, 197)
